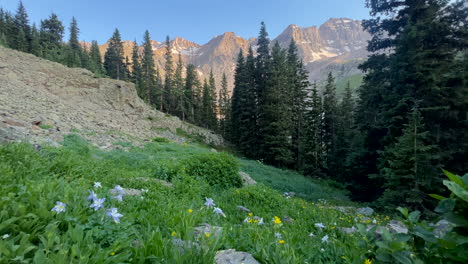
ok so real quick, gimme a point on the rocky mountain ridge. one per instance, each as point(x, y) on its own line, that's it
point(336, 45)
point(41, 101)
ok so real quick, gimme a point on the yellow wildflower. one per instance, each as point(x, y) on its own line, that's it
point(112, 253)
point(367, 261)
point(173, 233)
point(343, 257)
point(190, 210)
point(281, 241)
point(207, 235)
point(277, 220)
point(250, 214)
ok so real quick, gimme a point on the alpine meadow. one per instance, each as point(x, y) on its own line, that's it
point(344, 142)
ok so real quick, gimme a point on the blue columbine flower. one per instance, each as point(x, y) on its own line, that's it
point(218, 211)
point(113, 212)
point(59, 207)
point(118, 189)
point(209, 202)
point(97, 203)
point(97, 185)
point(119, 197)
point(92, 195)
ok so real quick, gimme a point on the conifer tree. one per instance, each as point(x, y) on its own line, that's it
point(5, 24)
point(179, 89)
point(313, 143)
point(236, 102)
point(168, 80)
point(74, 54)
point(36, 48)
point(330, 123)
point(410, 167)
point(95, 59)
point(148, 70)
point(297, 94)
point(114, 58)
point(191, 90)
point(345, 131)
point(213, 108)
point(206, 104)
point(224, 106)
point(51, 35)
point(22, 38)
point(137, 78)
point(276, 131)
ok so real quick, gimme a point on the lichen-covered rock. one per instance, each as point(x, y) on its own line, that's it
point(231, 256)
point(246, 179)
point(365, 211)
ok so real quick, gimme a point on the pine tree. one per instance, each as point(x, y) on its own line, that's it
point(179, 90)
point(137, 78)
point(74, 51)
point(330, 119)
point(5, 24)
point(276, 131)
point(22, 39)
point(148, 70)
point(297, 94)
point(95, 59)
point(114, 58)
point(51, 35)
point(313, 143)
point(168, 80)
point(158, 91)
point(224, 106)
point(191, 93)
point(410, 167)
point(206, 104)
point(36, 48)
point(262, 71)
point(212, 114)
point(236, 102)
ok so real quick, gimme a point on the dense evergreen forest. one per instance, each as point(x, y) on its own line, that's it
point(387, 142)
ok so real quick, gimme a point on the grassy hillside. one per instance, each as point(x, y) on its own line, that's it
point(158, 226)
point(354, 80)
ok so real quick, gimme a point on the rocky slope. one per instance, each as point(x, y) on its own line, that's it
point(41, 101)
point(336, 44)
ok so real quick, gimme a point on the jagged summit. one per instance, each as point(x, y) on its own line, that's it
point(319, 46)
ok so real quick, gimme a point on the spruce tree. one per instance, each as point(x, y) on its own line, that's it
point(410, 168)
point(74, 51)
point(345, 131)
point(297, 94)
point(51, 35)
point(168, 80)
point(137, 78)
point(114, 58)
point(224, 106)
point(191, 93)
point(5, 24)
point(95, 58)
point(206, 104)
point(330, 123)
point(236, 102)
point(213, 108)
point(148, 70)
point(179, 90)
point(22, 38)
point(36, 48)
point(313, 139)
point(276, 130)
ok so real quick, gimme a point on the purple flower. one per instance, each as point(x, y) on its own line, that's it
point(92, 195)
point(118, 190)
point(119, 197)
point(97, 203)
point(209, 202)
point(114, 214)
point(218, 211)
point(59, 207)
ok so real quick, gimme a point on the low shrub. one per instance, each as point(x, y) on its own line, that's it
point(218, 169)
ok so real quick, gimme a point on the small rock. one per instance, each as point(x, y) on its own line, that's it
point(365, 211)
point(231, 256)
point(16, 123)
point(162, 182)
point(129, 192)
point(344, 209)
point(213, 150)
point(244, 209)
point(348, 230)
point(287, 220)
point(397, 227)
point(246, 179)
point(207, 228)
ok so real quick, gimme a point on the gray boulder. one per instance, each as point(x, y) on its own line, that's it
point(246, 179)
point(397, 227)
point(367, 211)
point(231, 256)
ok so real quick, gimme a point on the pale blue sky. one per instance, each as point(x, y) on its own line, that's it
point(196, 20)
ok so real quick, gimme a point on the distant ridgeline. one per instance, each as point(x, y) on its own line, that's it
point(409, 118)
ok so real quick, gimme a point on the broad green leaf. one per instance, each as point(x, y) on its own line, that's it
point(454, 178)
point(414, 216)
point(445, 206)
point(403, 211)
point(457, 190)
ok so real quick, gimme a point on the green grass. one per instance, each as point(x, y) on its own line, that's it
point(33, 181)
point(354, 80)
point(45, 126)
